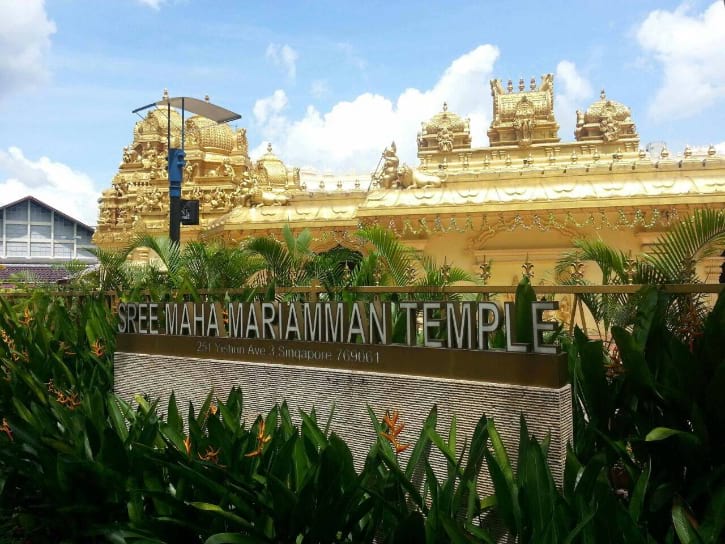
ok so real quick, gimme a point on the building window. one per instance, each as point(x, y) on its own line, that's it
point(84, 236)
point(64, 251)
point(63, 229)
point(19, 212)
point(16, 232)
point(17, 249)
point(39, 214)
point(40, 249)
point(39, 233)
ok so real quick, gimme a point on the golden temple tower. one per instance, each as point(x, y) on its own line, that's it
point(527, 193)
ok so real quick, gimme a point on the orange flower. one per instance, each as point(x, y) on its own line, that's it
point(213, 409)
point(391, 422)
point(27, 318)
point(262, 439)
point(69, 400)
point(5, 428)
point(97, 348)
point(187, 445)
point(210, 455)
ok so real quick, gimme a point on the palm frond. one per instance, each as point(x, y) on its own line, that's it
point(395, 256)
point(690, 240)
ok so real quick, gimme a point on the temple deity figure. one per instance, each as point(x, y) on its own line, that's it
point(445, 140)
point(227, 169)
point(609, 127)
point(390, 167)
point(189, 171)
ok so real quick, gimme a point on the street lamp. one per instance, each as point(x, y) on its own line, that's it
point(176, 156)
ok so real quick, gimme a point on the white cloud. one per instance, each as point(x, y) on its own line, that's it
point(154, 4)
point(573, 92)
point(690, 48)
point(25, 32)
point(284, 56)
point(52, 182)
point(353, 133)
point(265, 108)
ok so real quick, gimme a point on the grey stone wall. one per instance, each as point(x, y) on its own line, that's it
point(263, 385)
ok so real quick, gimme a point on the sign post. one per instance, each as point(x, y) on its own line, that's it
point(176, 156)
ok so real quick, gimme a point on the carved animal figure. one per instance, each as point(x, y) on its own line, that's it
point(268, 198)
point(412, 178)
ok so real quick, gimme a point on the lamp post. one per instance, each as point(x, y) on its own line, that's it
point(177, 156)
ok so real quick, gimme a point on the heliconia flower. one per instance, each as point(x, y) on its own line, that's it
point(262, 439)
point(27, 318)
point(391, 422)
point(5, 428)
point(210, 455)
point(97, 348)
point(187, 445)
point(213, 409)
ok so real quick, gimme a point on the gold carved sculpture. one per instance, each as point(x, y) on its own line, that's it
point(526, 193)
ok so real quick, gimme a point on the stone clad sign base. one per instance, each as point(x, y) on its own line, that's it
point(547, 410)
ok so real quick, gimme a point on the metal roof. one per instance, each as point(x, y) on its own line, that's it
point(194, 105)
point(44, 205)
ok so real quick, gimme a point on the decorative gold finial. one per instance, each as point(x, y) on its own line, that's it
point(595, 156)
point(528, 268)
point(339, 185)
point(166, 94)
point(532, 84)
point(630, 267)
point(346, 274)
point(485, 273)
point(445, 270)
point(322, 184)
point(445, 106)
point(603, 95)
point(410, 273)
point(522, 86)
point(269, 147)
point(577, 271)
point(664, 153)
point(574, 156)
point(357, 183)
point(642, 154)
point(711, 151)
point(688, 151)
point(510, 86)
point(206, 98)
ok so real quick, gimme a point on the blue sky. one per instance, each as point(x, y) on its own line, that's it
point(330, 83)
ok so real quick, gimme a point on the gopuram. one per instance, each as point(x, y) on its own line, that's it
point(523, 198)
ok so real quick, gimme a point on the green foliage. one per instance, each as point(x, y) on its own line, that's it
point(672, 261)
point(79, 464)
point(652, 415)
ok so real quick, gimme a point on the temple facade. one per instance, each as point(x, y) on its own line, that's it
point(522, 199)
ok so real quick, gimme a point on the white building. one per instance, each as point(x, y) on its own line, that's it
point(36, 240)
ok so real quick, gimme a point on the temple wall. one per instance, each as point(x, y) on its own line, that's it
point(547, 410)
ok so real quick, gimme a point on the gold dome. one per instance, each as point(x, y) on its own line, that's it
point(606, 107)
point(606, 121)
point(156, 123)
point(209, 135)
point(447, 119)
point(271, 170)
